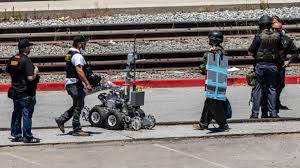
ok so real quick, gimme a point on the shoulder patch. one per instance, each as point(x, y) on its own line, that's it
point(68, 57)
point(14, 63)
point(15, 60)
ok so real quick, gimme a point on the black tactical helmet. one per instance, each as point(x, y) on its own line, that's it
point(79, 39)
point(23, 43)
point(215, 37)
point(265, 20)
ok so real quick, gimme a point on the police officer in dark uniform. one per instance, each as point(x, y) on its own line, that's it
point(75, 77)
point(265, 49)
point(213, 108)
point(284, 61)
point(24, 79)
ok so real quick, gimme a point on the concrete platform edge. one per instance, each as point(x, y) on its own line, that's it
point(230, 121)
point(78, 13)
point(155, 139)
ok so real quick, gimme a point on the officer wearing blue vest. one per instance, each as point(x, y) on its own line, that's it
point(75, 78)
point(265, 49)
point(215, 68)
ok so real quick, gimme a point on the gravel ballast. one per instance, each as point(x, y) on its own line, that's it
point(186, 44)
point(170, 74)
point(149, 46)
point(183, 44)
point(285, 12)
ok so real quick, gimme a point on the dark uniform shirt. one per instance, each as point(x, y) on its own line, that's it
point(255, 44)
point(203, 65)
point(20, 67)
point(289, 48)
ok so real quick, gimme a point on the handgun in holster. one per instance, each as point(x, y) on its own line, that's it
point(30, 102)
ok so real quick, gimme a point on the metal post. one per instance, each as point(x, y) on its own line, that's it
point(134, 64)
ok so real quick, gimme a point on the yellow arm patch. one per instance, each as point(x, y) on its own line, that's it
point(14, 63)
point(68, 57)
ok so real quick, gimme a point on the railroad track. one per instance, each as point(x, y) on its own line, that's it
point(141, 30)
point(159, 60)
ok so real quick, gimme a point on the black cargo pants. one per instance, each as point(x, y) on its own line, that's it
point(266, 83)
point(279, 88)
point(77, 93)
point(213, 109)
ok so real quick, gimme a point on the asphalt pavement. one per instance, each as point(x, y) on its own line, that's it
point(99, 135)
point(245, 145)
point(276, 151)
point(166, 104)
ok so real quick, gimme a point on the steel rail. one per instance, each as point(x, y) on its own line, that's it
point(123, 56)
point(178, 59)
point(131, 26)
point(144, 64)
point(137, 33)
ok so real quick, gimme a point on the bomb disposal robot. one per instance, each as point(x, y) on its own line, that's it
point(120, 107)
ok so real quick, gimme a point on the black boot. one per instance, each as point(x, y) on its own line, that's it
point(200, 126)
point(80, 133)
point(253, 117)
point(224, 127)
point(60, 125)
point(282, 107)
point(274, 116)
point(264, 115)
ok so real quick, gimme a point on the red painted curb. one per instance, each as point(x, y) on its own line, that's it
point(292, 79)
point(156, 83)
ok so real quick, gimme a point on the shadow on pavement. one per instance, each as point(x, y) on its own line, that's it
point(89, 132)
point(216, 130)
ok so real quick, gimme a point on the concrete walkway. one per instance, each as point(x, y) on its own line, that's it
point(166, 104)
point(108, 4)
point(276, 151)
point(44, 8)
point(54, 136)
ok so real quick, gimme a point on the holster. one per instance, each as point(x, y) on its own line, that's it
point(11, 93)
point(30, 102)
point(251, 79)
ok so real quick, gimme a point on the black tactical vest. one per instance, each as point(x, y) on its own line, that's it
point(18, 78)
point(269, 47)
point(70, 68)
